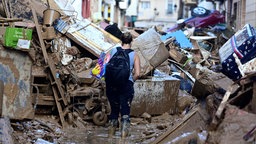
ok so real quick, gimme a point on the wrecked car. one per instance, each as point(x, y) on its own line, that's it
point(201, 17)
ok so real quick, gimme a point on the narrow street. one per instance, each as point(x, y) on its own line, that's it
point(196, 79)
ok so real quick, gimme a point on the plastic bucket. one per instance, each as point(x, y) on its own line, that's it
point(50, 15)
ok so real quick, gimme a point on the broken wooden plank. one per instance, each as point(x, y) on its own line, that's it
point(10, 7)
point(5, 20)
point(221, 107)
point(44, 100)
point(162, 137)
point(224, 101)
point(6, 9)
point(20, 24)
point(39, 33)
point(177, 55)
point(191, 122)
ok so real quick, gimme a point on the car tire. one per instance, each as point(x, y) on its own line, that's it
point(199, 12)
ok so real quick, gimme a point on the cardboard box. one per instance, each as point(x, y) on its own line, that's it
point(178, 56)
point(151, 50)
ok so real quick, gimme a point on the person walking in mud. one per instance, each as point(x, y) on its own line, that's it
point(122, 70)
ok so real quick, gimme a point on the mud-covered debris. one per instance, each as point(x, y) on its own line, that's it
point(86, 77)
point(235, 125)
point(192, 137)
point(185, 101)
point(31, 131)
point(146, 117)
point(161, 127)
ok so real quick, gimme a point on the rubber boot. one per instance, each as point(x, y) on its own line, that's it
point(113, 124)
point(125, 127)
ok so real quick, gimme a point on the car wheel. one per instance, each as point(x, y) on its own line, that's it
point(199, 11)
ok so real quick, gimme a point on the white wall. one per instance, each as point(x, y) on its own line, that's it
point(250, 14)
point(77, 4)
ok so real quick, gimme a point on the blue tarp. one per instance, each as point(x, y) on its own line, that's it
point(180, 38)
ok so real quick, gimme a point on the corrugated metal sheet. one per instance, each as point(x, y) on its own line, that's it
point(15, 72)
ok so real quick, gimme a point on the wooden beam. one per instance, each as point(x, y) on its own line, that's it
point(5, 20)
point(6, 9)
point(224, 101)
point(161, 138)
point(10, 7)
point(39, 33)
point(221, 107)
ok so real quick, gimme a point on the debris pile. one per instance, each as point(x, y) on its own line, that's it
point(204, 77)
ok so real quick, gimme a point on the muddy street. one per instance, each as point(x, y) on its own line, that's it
point(46, 129)
point(187, 74)
point(96, 135)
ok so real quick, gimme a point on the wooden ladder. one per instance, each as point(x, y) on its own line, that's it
point(59, 96)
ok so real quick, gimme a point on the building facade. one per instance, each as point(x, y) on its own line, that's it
point(153, 12)
point(241, 12)
point(148, 13)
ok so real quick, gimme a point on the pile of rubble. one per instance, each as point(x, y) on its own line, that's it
point(205, 77)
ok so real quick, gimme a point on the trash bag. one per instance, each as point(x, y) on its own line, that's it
point(114, 30)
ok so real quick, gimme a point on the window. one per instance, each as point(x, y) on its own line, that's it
point(169, 7)
point(145, 4)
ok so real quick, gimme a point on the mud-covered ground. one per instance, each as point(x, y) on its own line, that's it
point(143, 130)
point(191, 127)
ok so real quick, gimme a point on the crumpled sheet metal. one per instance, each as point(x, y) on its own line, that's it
point(15, 72)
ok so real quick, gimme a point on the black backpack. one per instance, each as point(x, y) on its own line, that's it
point(118, 69)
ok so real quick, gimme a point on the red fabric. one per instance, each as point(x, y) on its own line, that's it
point(86, 12)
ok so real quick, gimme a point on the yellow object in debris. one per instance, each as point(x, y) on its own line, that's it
point(96, 70)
